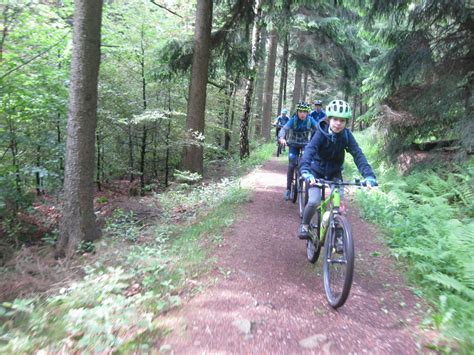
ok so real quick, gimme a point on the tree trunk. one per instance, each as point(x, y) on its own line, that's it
point(283, 74)
point(229, 92)
point(131, 160)
point(259, 86)
point(193, 153)
point(354, 113)
point(269, 80)
point(305, 85)
point(167, 139)
point(98, 160)
point(142, 159)
point(297, 87)
point(78, 219)
point(167, 160)
point(244, 123)
point(39, 178)
point(145, 127)
point(59, 141)
point(230, 127)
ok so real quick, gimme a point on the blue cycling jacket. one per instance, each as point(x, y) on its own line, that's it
point(299, 131)
point(324, 155)
point(318, 116)
point(282, 120)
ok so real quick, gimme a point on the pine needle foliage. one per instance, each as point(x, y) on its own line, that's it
point(426, 67)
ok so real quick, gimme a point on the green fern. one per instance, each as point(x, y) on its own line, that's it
point(451, 283)
point(428, 219)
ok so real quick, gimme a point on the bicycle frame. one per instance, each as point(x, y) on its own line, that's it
point(328, 205)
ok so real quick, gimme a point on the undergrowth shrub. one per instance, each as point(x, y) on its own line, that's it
point(428, 219)
point(132, 280)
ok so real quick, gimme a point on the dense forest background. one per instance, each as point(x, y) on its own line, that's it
point(405, 67)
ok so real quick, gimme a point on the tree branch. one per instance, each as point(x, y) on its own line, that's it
point(32, 59)
point(165, 8)
point(222, 87)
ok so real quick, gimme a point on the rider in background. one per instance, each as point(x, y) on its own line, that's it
point(318, 113)
point(299, 129)
point(324, 156)
point(281, 120)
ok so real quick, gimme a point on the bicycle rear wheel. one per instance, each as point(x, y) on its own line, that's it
point(278, 149)
point(338, 264)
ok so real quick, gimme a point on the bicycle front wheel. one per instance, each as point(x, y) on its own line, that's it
point(278, 149)
point(294, 186)
point(313, 245)
point(338, 264)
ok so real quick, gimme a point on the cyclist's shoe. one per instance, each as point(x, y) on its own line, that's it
point(339, 241)
point(303, 231)
point(287, 195)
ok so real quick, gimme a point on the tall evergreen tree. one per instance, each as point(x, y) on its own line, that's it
point(244, 123)
point(78, 219)
point(193, 153)
point(269, 81)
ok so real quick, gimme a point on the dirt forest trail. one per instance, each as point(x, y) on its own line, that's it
point(269, 299)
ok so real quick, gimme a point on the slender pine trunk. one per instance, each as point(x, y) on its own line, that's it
point(283, 74)
point(269, 82)
point(244, 123)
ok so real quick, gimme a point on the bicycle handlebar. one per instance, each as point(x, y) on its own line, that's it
point(356, 182)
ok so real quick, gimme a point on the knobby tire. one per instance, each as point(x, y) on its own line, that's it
point(313, 246)
point(336, 298)
point(294, 186)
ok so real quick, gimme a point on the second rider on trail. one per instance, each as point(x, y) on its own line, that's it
point(299, 129)
point(280, 121)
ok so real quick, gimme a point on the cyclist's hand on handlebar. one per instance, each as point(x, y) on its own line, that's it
point(370, 182)
point(310, 179)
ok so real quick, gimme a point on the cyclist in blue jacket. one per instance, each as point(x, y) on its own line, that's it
point(281, 120)
point(299, 129)
point(324, 156)
point(318, 113)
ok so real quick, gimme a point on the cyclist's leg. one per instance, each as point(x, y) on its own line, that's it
point(314, 200)
point(277, 130)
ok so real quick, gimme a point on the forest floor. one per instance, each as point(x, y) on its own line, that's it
point(263, 296)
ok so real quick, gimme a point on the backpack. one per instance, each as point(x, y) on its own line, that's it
point(308, 119)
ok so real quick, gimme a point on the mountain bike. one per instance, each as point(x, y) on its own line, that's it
point(280, 147)
point(331, 228)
